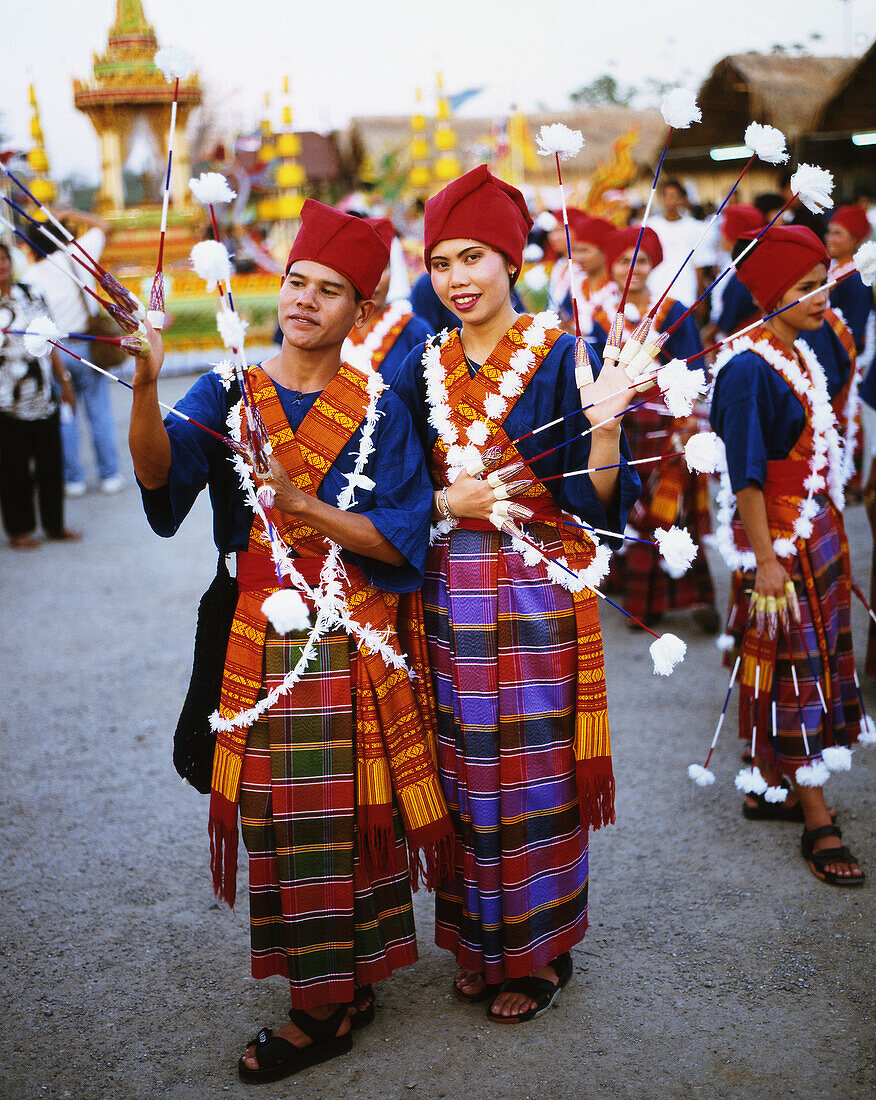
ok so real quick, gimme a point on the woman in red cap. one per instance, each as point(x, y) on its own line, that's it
point(671, 493)
point(333, 797)
point(787, 546)
point(523, 745)
point(587, 235)
point(847, 230)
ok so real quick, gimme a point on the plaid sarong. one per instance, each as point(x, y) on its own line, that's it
point(670, 494)
point(317, 916)
point(504, 649)
point(821, 576)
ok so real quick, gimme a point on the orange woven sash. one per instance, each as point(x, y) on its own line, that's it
point(466, 396)
point(358, 336)
point(395, 722)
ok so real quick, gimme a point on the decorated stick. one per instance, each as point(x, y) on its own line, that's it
point(135, 344)
point(39, 346)
point(812, 186)
point(860, 596)
point(613, 466)
point(123, 297)
point(176, 65)
point(562, 143)
point(121, 316)
point(674, 544)
point(867, 736)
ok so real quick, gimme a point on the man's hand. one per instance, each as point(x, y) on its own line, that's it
point(288, 498)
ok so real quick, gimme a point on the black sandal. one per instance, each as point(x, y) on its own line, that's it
point(819, 861)
point(362, 1017)
point(278, 1058)
point(489, 992)
point(540, 990)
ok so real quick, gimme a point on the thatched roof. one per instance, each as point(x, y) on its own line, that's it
point(850, 104)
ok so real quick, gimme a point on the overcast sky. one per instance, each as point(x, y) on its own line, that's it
point(348, 57)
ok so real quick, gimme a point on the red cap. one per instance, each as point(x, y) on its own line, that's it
point(784, 254)
point(345, 244)
point(479, 207)
point(583, 227)
point(853, 218)
point(384, 229)
point(619, 240)
point(740, 219)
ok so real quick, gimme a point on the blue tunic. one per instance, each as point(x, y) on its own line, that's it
point(551, 392)
point(683, 343)
point(856, 303)
point(399, 506)
point(414, 333)
point(737, 306)
point(757, 415)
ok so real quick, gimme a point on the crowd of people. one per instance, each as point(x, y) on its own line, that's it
point(411, 682)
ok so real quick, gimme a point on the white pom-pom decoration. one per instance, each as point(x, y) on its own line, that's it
point(750, 780)
point(546, 221)
point(837, 758)
point(865, 262)
point(679, 108)
point(775, 794)
point(266, 496)
point(702, 453)
point(495, 405)
point(767, 143)
point(211, 262)
point(176, 64)
point(211, 188)
point(536, 278)
point(813, 186)
point(725, 642)
point(477, 433)
point(667, 651)
point(700, 775)
point(680, 386)
point(232, 328)
point(533, 253)
point(815, 774)
point(225, 370)
point(867, 736)
point(677, 549)
point(559, 140)
point(37, 336)
point(286, 611)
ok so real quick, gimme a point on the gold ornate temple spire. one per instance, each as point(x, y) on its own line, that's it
point(446, 165)
point(126, 86)
point(420, 175)
point(41, 185)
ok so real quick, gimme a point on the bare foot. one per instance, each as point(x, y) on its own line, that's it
point(469, 982)
point(515, 1004)
point(841, 870)
point(24, 542)
point(66, 535)
point(296, 1036)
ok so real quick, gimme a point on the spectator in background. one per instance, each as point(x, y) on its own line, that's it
point(797, 213)
point(70, 309)
point(678, 233)
point(30, 438)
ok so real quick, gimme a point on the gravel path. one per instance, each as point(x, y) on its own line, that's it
point(715, 966)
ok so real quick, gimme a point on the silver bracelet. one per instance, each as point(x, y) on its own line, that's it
point(444, 508)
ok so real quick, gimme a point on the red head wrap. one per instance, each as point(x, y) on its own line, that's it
point(784, 254)
point(479, 207)
point(384, 229)
point(619, 240)
point(740, 219)
point(345, 244)
point(853, 218)
point(590, 230)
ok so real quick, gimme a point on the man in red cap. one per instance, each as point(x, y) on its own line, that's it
point(393, 330)
point(332, 796)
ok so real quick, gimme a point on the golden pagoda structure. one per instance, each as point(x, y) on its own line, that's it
point(420, 175)
point(41, 184)
point(290, 175)
point(267, 205)
point(126, 88)
point(446, 166)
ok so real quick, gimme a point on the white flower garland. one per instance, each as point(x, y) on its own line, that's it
point(853, 403)
point(394, 313)
point(495, 406)
point(827, 452)
point(328, 598)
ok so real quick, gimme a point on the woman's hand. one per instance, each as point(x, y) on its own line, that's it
point(770, 579)
point(469, 498)
point(146, 370)
point(609, 395)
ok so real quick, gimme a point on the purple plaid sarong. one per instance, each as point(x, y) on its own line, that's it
point(503, 648)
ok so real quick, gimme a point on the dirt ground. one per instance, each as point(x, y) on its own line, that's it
point(715, 965)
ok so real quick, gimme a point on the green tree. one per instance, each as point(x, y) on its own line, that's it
point(604, 90)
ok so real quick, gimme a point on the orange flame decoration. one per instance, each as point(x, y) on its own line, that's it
point(615, 174)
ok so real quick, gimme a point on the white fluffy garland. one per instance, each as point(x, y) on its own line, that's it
point(827, 452)
point(328, 596)
point(392, 314)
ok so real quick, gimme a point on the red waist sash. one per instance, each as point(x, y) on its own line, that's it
point(785, 477)
point(256, 571)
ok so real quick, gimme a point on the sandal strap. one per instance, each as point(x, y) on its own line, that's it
point(318, 1031)
point(827, 856)
point(810, 835)
point(270, 1049)
point(537, 989)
